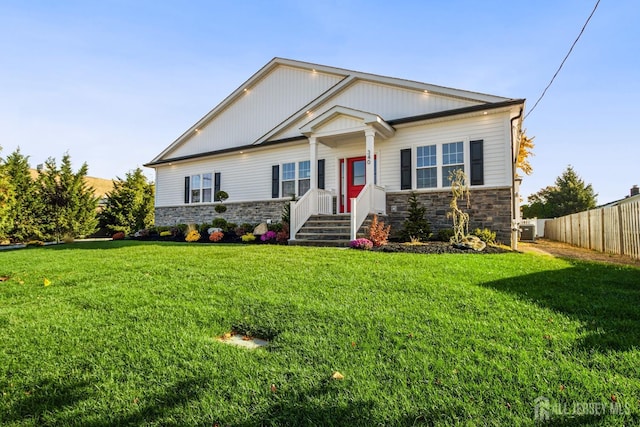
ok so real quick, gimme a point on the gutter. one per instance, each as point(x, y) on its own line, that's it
point(514, 204)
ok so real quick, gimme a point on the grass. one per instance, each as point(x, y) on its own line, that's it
point(125, 335)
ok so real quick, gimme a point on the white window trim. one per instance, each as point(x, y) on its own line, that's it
point(439, 162)
point(296, 180)
point(202, 188)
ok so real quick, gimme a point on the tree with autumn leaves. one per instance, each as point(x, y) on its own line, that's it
point(525, 150)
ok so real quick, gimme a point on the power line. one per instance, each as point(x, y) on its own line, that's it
point(564, 60)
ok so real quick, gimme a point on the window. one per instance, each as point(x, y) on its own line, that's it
point(206, 188)
point(359, 173)
point(426, 172)
point(195, 189)
point(198, 188)
point(452, 159)
point(288, 179)
point(304, 177)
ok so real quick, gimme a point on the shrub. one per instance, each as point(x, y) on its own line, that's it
point(378, 233)
point(182, 228)
point(361, 243)
point(486, 235)
point(221, 196)
point(203, 228)
point(248, 228)
point(277, 226)
point(248, 238)
point(166, 233)
point(286, 210)
point(231, 226)
point(118, 236)
point(33, 243)
point(192, 236)
point(268, 236)
point(416, 226)
point(444, 235)
point(283, 235)
point(220, 209)
point(216, 236)
point(67, 239)
point(219, 223)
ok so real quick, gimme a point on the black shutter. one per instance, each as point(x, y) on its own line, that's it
point(187, 182)
point(321, 174)
point(405, 169)
point(477, 162)
point(216, 186)
point(275, 181)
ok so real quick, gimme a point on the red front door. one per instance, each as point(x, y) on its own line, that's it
point(355, 179)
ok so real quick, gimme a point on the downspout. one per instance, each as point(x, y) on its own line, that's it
point(514, 194)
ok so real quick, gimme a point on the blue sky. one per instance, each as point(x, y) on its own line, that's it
point(115, 82)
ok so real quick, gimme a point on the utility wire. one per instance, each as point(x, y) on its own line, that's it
point(564, 60)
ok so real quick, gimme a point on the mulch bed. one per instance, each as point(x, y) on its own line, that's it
point(437, 248)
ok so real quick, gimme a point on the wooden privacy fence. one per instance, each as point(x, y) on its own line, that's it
point(614, 229)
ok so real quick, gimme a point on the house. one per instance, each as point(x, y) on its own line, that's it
point(342, 142)
point(634, 196)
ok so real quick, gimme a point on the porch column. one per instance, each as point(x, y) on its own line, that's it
point(313, 160)
point(370, 155)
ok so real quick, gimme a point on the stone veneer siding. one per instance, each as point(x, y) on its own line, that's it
point(490, 208)
point(243, 212)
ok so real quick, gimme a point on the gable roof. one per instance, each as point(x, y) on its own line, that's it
point(330, 87)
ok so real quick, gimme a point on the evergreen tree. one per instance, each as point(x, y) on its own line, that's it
point(569, 195)
point(130, 204)
point(7, 200)
point(25, 214)
point(416, 226)
point(69, 204)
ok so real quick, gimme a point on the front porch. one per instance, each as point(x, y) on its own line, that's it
point(358, 194)
point(312, 217)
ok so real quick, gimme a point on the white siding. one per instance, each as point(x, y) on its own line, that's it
point(389, 102)
point(489, 128)
point(341, 124)
point(247, 176)
point(272, 100)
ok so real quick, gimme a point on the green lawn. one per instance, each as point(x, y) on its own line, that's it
point(125, 334)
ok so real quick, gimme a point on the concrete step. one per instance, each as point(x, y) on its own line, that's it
point(325, 243)
point(328, 235)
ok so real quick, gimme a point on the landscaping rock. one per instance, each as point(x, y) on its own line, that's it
point(260, 229)
point(471, 242)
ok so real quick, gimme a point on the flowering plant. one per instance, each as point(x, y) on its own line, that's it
point(268, 236)
point(361, 243)
point(216, 236)
point(192, 236)
point(165, 233)
point(249, 237)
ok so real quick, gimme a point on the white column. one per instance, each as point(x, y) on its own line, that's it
point(313, 160)
point(370, 154)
